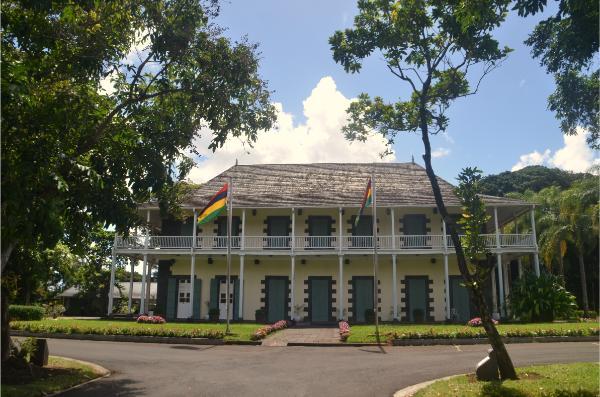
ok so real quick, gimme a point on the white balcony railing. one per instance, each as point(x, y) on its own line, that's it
point(312, 243)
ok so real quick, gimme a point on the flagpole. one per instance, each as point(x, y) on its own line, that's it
point(375, 258)
point(229, 222)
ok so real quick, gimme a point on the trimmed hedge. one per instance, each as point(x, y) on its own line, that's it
point(25, 313)
point(480, 333)
point(151, 330)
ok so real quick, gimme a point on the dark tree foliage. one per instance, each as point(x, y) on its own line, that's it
point(533, 177)
point(567, 46)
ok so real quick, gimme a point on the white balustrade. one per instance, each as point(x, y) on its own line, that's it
point(315, 243)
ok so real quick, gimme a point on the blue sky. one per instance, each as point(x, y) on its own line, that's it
point(507, 119)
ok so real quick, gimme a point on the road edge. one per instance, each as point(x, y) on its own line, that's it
point(104, 373)
point(411, 390)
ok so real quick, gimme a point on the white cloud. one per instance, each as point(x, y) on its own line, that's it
point(533, 158)
point(319, 139)
point(574, 156)
point(440, 152)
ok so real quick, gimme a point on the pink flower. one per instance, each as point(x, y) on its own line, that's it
point(476, 322)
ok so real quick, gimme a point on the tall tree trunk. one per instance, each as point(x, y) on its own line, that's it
point(584, 294)
point(5, 331)
point(505, 364)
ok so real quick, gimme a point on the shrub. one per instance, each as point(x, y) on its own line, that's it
point(54, 310)
point(151, 320)
point(344, 330)
point(541, 298)
point(25, 313)
point(268, 329)
point(476, 322)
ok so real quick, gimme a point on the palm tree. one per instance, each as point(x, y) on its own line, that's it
point(579, 212)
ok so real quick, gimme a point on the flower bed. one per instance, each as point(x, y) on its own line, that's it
point(344, 330)
point(150, 320)
point(262, 332)
point(476, 322)
point(480, 333)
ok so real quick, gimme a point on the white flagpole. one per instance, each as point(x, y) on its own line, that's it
point(229, 221)
point(375, 258)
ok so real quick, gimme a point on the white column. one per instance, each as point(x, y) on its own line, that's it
point(193, 262)
point(500, 284)
point(293, 230)
point(241, 291)
point(145, 265)
point(447, 287)
point(340, 227)
point(143, 286)
point(243, 242)
point(112, 282)
point(506, 276)
point(446, 274)
point(536, 258)
point(495, 313)
point(496, 228)
point(292, 285)
point(340, 288)
point(520, 262)
point(130, 297)
point(394, 287)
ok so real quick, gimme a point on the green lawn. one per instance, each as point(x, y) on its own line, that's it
point(60, 374)
point(558, 380)
point(366, 333)
point(130, 327)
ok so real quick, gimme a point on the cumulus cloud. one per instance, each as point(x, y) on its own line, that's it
point(574, 156)
point(533, 158)
point(440, 152)
point(318, 139)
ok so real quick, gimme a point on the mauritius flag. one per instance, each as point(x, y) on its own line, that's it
point(367, 202)
point(214, 207)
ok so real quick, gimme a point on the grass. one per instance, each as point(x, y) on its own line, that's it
point(60, 374)
point(239, 332)
point(557, 380)
point(366, 333)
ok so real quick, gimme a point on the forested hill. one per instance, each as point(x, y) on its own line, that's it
point(534, 177)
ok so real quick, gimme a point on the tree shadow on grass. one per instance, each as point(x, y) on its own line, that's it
point(497, 389)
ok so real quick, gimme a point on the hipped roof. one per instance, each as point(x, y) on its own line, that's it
point(331, 185)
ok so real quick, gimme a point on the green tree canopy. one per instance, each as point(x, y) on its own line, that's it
point(566, 44)
point(74, 154)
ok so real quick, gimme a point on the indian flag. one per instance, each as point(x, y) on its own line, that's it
point(367, 202)
point(214, 207)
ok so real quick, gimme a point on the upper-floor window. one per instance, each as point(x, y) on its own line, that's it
point(222, 231)
point(362, 233)
point(319, 230)
point(414, 224)
point(279, 228)
point(177, 227)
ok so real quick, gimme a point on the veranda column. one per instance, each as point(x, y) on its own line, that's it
point(145, 265)
point(520, 263)
point(148, 285)
point(499, 264)
point(193, 262)
point(242, 259)
point(341, 285)
point(341, 288)
point(130, 297)
point(112, 283)
point(293, 266)
point(536, 259)
point(394, 268)
point(292, 284)
point(446, 275)
point(241, 289)
point(495, 313)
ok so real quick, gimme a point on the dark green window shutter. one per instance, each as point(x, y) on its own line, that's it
point(171, 297)
point(415, 224)
point(214, 293)
point(187, 227)
point(236, 299)
point(197, 299)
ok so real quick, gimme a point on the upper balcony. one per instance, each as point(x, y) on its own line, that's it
point(312, 245)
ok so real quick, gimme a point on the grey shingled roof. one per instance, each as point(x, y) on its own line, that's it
point(329, 185)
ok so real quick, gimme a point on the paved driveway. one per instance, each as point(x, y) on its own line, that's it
point(141, 369)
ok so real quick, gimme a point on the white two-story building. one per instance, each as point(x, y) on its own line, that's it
point(298, 255)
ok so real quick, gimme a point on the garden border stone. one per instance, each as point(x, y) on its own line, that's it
point(104, 373)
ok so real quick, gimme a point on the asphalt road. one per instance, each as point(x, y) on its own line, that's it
point(141, 369)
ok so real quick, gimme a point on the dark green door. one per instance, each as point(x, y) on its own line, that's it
point(459, 300)
point(319, 299)
point(276, 291)
point(362, 297)
point(417, 298)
